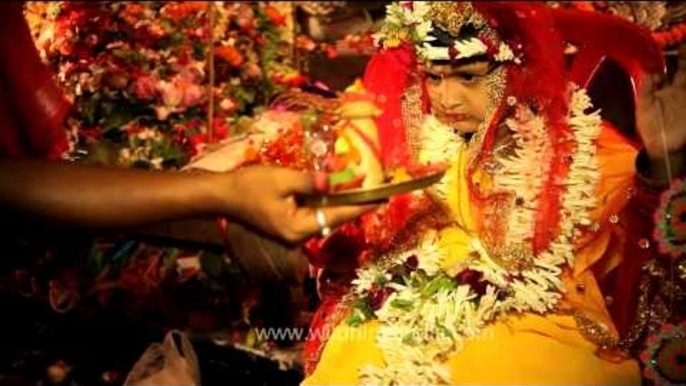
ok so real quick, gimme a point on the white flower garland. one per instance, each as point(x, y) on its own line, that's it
point(524, 172)
point(439, 143)
point(416, 336)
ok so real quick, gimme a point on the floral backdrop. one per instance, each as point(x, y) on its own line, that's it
point(139, 73)
point(147, 80)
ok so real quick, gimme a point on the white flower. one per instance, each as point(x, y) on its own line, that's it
point(421, 8)
point(465, 49)
point(430, 255)
point(423, 29)
point(367, 277)
point(395, 14)
point(469, 48)
point(157, 163)
point(504, 53)
point(435, 53)
point(439, 143)
point(125, 154)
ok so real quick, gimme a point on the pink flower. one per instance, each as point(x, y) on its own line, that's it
point(145, 87)
point(192, 95)
point(192, 74)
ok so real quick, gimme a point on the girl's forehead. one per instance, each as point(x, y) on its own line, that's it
point(455, 67)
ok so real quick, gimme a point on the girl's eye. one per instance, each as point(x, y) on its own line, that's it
point(468, 78)
point(434, 78)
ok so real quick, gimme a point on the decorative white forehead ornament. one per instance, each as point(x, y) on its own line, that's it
point(414, 22)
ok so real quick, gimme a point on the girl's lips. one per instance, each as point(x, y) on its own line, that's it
point(453, 117)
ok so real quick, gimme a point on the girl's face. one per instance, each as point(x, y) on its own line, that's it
point(459, 94)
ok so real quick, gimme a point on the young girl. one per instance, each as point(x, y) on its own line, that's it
point(498, 274)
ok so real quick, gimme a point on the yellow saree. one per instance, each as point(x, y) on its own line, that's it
point(520, 348)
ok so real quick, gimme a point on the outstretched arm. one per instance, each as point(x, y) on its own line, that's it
point(661, 116)
point(101, 197)
point(661, 120)
point(91, 196)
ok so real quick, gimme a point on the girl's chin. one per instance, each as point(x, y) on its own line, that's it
point(462, 127)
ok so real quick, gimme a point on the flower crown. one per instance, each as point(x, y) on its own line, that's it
point(441, 31)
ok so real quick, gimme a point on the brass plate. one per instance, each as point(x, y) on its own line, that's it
point(366, 196)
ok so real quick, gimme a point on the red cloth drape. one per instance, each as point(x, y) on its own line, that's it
point(33, 107)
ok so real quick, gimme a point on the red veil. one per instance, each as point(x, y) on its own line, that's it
point(33, 106)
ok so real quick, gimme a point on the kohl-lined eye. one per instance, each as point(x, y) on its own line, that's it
point(468, 78)
point(434, 77)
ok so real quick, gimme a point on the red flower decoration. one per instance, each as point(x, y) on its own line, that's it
point(491, 48)
point(670, 220)
point(219, 130)
point(411, 263)
point(474, 279)
point(274, 16)
point(340, 251)
point(665, 356)
point(453, 52)
point(377, 296)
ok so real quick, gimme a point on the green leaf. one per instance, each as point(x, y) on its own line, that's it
point(131, 57)
point(443, 330)
point(402, 304)
point(173, 39)
point(408, 339)
point(87, 108)
point(342, 177)
point(355, 319)
point(166, 24)
point(362, 305)
point(438, 283)
point(169, 257)
point(118, 119)
point(199, 51)
point(96, 261)
point(248, 95)
point(309, 118)
point(380, 279)
point(211, 264)
point(368, 19)
point(189, 22)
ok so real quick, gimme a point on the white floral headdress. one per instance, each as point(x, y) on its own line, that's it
point(416, 22)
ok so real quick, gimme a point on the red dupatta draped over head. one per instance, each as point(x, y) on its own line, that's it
point(538, 80)
point(541, 80)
